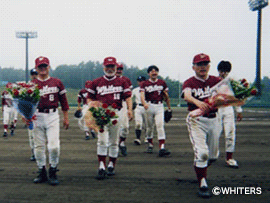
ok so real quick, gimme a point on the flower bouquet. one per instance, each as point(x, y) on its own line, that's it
point(227, 92)
point(98, 115)
point(25, 99)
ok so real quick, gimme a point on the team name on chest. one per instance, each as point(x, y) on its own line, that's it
point(201, 92)
point(109, 89)
point(48, 90)
point(153, 88)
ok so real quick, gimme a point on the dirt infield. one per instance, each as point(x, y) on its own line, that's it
point(140, 177)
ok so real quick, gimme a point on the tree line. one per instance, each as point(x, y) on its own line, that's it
point(75, 76)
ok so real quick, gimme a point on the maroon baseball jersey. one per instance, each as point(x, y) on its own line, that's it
point(200, 89)
point(127, 80)
point(154, 90)
point(52, 92)
point(82, 96)
point(6, 99)
point(109, 91)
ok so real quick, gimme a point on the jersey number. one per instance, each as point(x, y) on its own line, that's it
point(116, 96)
point(51, 97)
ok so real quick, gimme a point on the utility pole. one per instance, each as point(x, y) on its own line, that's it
point(26, 36)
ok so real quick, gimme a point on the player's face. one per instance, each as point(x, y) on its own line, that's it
point(43, 70)
point(34, 76)
point(201, 70)
point(153, 74)
point(223, 74)
point(110, 70)
point(119, 72)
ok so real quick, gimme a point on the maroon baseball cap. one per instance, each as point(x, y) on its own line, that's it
point(120, 65)
point(109, 61)
point(201, 58)
point(42, 60)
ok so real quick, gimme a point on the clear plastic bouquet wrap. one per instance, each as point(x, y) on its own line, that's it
point(227, 92)
point(98, 115)
point(25, 99)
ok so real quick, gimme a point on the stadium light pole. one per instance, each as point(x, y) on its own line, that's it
point(258, 5)
point(26, 36)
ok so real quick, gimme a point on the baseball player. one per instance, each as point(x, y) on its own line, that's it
point(33, 75)
point(9, 113)
point(152, 93)
point(111, 90)
point(47, 126)
point(227, 122)
point(82, 99)
point(139, 112)
point(123, 120)
point(203, 130)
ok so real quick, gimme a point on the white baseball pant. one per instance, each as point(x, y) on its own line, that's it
point(140, 117)
point(124, 121)
point(107, 143)
point(204, 136)
point(47, 129)
point(227, 123)
point(155, 116)
point(9, 114)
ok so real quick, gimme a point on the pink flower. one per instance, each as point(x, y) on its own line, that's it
point(245, 84)
point(114, 122)
point(105, 106)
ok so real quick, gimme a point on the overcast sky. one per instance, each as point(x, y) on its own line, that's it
point(167, 33)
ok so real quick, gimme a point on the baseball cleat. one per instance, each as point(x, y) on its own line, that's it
point(232, 163)
point(111, 171)
point(12, 132)
point(33, 158)
point(42, 177)
point(163, 153)
point(101, 174)
point(210, 161)
point(5, 134)
point(145, 140)
point(53, 177)
point(123, 150)
point(204, 192)
point(149, 149)
point(137, 142)
point(93, 134)
point(87, 137)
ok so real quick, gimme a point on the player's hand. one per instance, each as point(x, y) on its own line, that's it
point(66, 123)
point(202, 105)
point(130, 115)
point(146, 106)
point(239, 116)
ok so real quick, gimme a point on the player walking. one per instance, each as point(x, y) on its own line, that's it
point(152, 94)
point(227, 122)
point(203, 130)
point(47, 126)
point(139, 112)
point(123, 120)
point(33, 75)
point(110, 89)
point(9, 113)
point(82, 99)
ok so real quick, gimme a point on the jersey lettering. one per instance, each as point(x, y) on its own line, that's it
point(154, 88)
point(109, 89)
point(201, 93)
